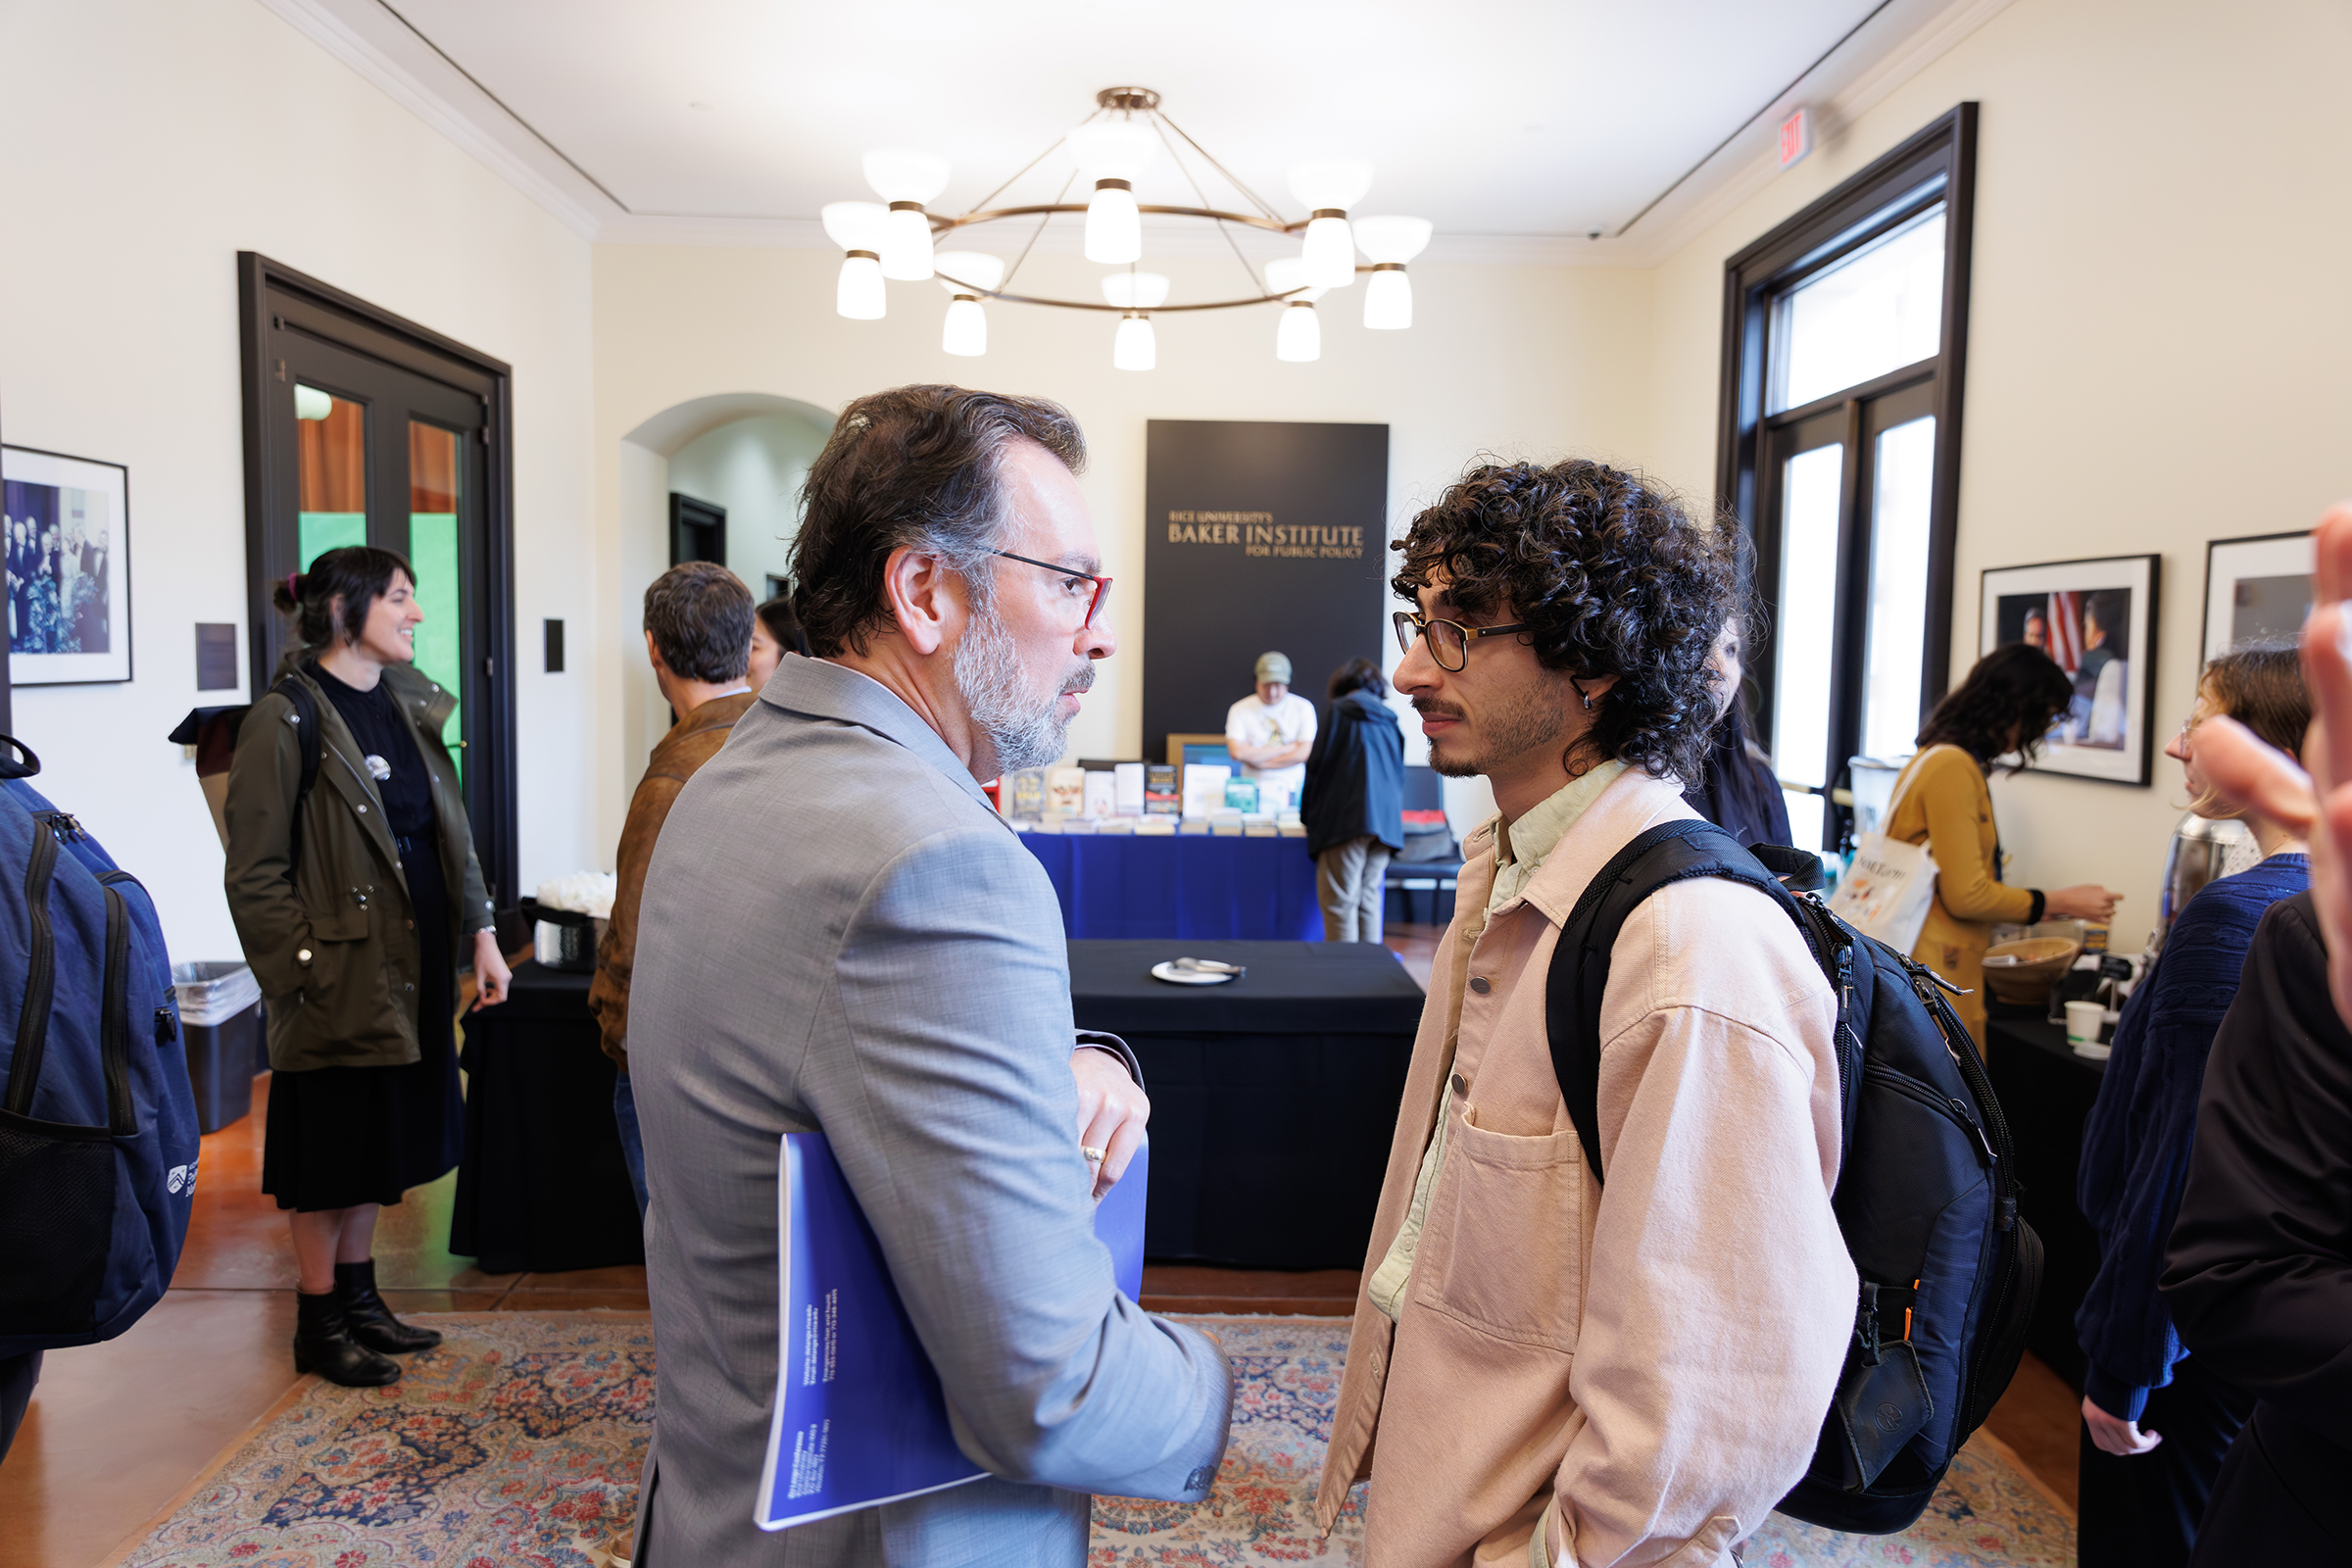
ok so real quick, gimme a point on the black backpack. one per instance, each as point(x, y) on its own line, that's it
point(214, 733)
point(1926, 1193)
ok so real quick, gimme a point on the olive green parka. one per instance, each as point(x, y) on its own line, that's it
point(336, 947)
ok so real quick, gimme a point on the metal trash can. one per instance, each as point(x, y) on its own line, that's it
point(220, 1024)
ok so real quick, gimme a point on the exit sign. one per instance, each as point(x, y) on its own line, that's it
point(1796, 137)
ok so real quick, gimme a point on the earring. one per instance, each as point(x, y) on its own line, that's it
point(1581, 692)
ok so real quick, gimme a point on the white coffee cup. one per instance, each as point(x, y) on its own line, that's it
point(2082, 1021)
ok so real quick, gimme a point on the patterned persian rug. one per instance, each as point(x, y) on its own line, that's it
point(518, 1442)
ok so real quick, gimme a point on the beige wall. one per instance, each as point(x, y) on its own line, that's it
point(148, 142)
point(1532, 361)
point(2159, 327)
point(2158, 316)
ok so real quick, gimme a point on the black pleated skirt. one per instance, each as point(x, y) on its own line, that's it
point(344, 1135)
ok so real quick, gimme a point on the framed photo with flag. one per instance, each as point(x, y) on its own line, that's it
point(2096, 619)
point(67, 528)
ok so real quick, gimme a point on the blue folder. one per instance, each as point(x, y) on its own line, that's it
point(860, 1420)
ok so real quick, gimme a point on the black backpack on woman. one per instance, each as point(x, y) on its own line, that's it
point(1926, 1191)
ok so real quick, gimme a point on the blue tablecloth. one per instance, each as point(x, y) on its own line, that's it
point(1117, 885)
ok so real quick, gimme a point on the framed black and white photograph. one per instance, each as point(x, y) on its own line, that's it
point(67, 527)
point(2258, 587)
point(2096, 619)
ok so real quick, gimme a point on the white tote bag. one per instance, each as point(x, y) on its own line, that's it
point(1886, 893)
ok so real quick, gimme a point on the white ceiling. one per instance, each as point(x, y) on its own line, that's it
point(1510, 118)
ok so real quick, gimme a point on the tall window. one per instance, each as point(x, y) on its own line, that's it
point(1845, 332)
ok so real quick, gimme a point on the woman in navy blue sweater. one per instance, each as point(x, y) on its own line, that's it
point(2155, 1422)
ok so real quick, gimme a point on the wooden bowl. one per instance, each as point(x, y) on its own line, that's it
point(2038, 964)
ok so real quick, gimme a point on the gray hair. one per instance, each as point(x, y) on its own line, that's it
point(917, 468)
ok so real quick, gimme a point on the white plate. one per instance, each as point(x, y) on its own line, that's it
point(2091, 1051)
point(1186, 977)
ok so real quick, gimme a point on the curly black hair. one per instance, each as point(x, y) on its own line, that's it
point(2010, 698)
point(1611, 577)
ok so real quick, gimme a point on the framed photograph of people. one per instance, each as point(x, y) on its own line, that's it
point(2096, 619)
point(2257, 587)
point(67, 527)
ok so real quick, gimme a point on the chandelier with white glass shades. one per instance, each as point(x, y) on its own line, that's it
point(898, 237)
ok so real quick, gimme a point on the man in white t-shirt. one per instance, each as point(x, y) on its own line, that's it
point(1270, 733)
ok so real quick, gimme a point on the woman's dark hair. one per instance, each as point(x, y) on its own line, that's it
point(1357, 675)
point(1611, 577)
point(919, 467)
point(2009, 698)
point(699, 614)
point(2260, 684)
point(357, 574)
point(783, 625)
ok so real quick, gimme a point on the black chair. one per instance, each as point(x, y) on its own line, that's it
point(1421, 891)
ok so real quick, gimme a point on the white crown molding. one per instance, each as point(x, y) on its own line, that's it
point(364, 36)
point(1894, 46)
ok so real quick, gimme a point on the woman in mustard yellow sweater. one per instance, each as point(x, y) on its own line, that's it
point(1942, 801)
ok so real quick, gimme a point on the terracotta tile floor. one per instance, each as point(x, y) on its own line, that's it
point(117, 1431)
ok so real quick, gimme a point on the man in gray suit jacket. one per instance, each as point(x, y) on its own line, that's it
point(838, 934)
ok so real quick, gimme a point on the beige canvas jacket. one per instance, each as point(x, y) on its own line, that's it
point(1658, 1359)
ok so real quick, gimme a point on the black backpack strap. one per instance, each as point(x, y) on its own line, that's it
point(307, 743)
point(21, 765)
point(40, 977)
point(114, 1018)
point(1671, 852)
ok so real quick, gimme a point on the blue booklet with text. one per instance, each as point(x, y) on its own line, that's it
point(860, 1420)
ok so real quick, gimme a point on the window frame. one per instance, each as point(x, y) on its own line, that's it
point(1936, 165)
point(275, 299)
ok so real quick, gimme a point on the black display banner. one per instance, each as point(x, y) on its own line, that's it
point(1257, 537)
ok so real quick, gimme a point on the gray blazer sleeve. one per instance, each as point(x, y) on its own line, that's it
point(954, 1118)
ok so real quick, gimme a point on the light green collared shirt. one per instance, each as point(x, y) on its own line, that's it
point(1522, 846)
point(1520, 850)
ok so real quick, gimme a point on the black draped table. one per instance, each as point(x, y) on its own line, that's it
point(1273, 1097)
point(2045, 1093)
point(541, 1186)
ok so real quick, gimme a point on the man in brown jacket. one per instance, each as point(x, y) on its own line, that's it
point(698, 632)
point(1544, 1370)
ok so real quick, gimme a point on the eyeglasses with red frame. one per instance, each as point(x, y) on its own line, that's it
point(1101, 584)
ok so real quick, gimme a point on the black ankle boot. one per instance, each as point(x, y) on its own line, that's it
point(322, 1344)
point(371, 1321)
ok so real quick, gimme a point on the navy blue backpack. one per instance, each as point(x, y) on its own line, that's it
point(97, 1121)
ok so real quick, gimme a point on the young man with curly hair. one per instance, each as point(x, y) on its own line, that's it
point(1545, 1370)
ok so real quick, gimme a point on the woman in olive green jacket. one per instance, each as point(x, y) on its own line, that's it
point(353, 900)
point(2007, 703)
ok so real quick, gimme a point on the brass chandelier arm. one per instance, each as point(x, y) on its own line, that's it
point(940, 225)
point(975, 290)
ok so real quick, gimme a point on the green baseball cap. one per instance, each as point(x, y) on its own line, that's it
point(1273, 670)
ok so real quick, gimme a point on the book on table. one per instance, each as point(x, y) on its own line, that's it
point(860, 1420)
point(1161, 796)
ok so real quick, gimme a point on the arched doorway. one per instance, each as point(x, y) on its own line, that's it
point(745, 453)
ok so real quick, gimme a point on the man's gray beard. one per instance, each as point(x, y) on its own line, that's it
point(1025, 731)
